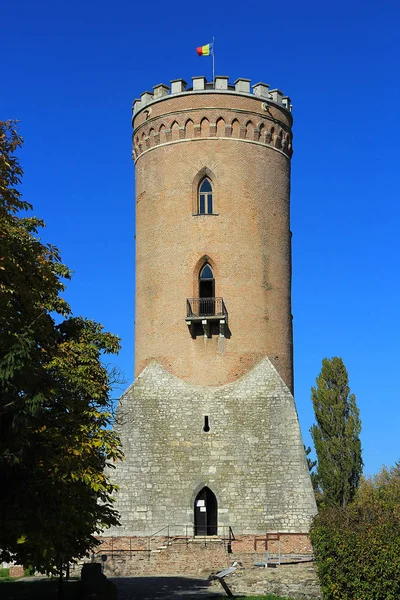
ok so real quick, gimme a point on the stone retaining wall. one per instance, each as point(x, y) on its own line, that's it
point(298, 581)
point(291, 543)
point(191, 557)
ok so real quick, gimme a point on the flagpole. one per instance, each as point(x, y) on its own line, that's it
point(213, 63)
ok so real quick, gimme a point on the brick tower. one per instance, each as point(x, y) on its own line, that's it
point(209, 427)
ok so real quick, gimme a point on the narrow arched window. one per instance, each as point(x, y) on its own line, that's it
point(206, 291)
point(205, 197)
point(206, 282)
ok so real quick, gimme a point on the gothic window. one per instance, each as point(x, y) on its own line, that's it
point(206, 291)
point(206, 282)
point(205, 206)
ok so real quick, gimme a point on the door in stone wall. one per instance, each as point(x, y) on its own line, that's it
point(205, 513)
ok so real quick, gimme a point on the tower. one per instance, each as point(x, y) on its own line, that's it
point(209, 427)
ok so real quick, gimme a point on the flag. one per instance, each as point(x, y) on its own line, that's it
point(206, 50)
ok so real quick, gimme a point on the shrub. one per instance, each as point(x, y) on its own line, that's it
point(357, 548)
point(4, 572)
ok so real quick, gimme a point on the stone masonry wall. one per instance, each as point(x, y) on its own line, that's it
point(252, 458)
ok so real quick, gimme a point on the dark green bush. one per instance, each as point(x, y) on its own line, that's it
point(4, 572)
point(357, 548)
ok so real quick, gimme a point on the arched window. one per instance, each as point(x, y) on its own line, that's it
point(206, 291)
point(205, 198)
point(206, 282)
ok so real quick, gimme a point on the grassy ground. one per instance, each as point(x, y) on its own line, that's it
point(42, 589)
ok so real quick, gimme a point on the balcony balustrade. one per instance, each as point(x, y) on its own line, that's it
point(204, 311)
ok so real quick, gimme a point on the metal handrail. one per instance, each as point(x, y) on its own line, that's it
point(186, 533)
point(274, 536)
point(205, 307)
point(169, 535)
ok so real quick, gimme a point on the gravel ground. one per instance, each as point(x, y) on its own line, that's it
point(163, 588)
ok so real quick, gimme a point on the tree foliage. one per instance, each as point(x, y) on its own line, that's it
point(336, 434)
point(55, 438)
point(357, 548)
point(311, 464)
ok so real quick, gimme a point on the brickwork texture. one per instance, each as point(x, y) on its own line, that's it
point(247, 240)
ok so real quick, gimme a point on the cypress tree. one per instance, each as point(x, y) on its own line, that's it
point(336, 434)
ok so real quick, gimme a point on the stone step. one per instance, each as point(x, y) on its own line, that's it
point(207, 540)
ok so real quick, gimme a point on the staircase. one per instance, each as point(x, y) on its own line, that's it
point(171, 550)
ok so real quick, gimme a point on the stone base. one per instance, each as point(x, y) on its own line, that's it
point(250, 456)
point(200, 558)
point(290, 544)
point(298, 581)
point(194, 556)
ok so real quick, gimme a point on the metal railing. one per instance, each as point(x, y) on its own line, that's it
point(113, 547)
point(277, 557)
point(186, 533)
point(205, 307)
point(164, 537)
point(228, 537)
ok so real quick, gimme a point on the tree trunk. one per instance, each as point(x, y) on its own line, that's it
point(60, 593)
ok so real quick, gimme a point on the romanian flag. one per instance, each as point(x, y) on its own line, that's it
point(206, 50)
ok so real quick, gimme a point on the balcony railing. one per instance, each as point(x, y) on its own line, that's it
point(200, 308)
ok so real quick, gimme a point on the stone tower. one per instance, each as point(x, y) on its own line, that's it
point(209, 427)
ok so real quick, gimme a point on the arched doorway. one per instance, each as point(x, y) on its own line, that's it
point(205, 513)
point(207, 290)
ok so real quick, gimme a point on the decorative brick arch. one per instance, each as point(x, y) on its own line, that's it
point(204, 127)
point(162, 134)
point(220, 127)
point(236, 128)
point(248, 128)
point(175, 131)
point(189, 129)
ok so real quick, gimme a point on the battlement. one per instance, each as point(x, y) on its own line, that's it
point(219, 85)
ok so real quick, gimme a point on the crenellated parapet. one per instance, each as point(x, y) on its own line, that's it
point(209, 111)
point(220, 85)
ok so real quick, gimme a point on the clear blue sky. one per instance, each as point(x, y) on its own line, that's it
point(70, 71)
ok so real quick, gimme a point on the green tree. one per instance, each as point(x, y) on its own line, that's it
point(311, 464)
point(336, 434)
point(55, 435)
point(357, 547)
